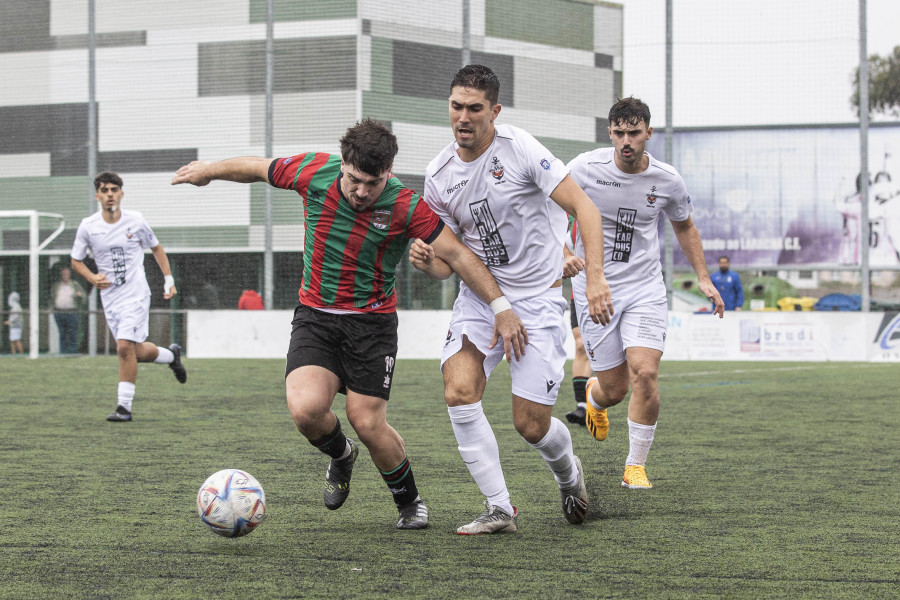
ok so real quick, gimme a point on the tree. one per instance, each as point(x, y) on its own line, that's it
point(884, 85)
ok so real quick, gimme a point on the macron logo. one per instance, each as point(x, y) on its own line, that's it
point(458, 186)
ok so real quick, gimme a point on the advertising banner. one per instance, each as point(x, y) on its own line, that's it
point(790, 196)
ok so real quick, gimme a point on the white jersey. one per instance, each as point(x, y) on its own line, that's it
point(500, 206)
point(118, 250)
point(630, 205)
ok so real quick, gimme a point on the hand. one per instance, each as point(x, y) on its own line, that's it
point(572, 265)
point(706, 286)
point(421, 255)
point(193, 173)
point(599, 299)
point(100, 281)
point(509, 327)
point(172, 291)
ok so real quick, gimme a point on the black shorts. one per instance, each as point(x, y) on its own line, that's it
point(573, 316)
point(360, 349)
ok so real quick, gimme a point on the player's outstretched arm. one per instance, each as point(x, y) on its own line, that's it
point(507, 324)
point(688, 237)
point(244, 169)
point(575, 202)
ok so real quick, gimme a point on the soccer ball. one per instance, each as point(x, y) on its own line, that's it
point(231, 503)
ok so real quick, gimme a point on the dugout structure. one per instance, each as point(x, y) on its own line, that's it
point(14, 223)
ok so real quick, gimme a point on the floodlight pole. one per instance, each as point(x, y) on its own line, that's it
point(866, 232)
point(92, 161)
point(668, 257)
point(268, 262)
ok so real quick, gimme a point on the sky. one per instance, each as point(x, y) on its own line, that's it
point(753, 62)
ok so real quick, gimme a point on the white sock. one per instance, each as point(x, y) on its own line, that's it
point(556, 449)
point(590, 397)
point(126, 394)
point(640, 438)
point(479, 450)
point(165, 356)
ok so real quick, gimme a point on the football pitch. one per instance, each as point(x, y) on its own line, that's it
point(771, 480)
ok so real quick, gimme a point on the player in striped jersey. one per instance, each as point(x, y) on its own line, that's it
point(358, 221)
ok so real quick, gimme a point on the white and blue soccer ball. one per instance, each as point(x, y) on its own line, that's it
point(231, 503)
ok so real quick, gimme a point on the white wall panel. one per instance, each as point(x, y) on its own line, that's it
point(70, 17)
point(305, 122)
point(418, 144)
point(444, 14)
point(26, 78)
point(221, 203)
point(285, 238)
point(552, 86)
point(146, 124)
point(549, 124)
point(158, 72)
point(608, 30)
point(538, 51)
point(25, 165)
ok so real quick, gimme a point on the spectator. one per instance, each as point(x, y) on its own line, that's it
point(728, 283)
point(250, 300)
point(16, 323)
point(67, 296)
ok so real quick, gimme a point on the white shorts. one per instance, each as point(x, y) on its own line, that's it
point(129, 320)
point(538, 375)
point(15, 334)
point(636, 322)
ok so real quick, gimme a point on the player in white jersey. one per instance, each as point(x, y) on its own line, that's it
point(506, 196)
point(632, 189)
point(116, 238)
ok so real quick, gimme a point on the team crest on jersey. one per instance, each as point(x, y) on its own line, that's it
point(128, 233)
point(651, 197)
point(381, 219)
point(545, 164)
point(496, 168)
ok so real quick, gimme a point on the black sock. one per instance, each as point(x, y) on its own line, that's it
point(334, 444)
point(578, 386)
point(401, 483)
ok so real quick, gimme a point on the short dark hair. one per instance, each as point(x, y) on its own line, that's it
point(369, 146)
point(107, 177)
point(480, 78)
point(725, 257)
point(629, 111)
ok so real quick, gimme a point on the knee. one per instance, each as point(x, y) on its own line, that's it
point(614, 391)
point(531, 430)
point(307, 418)
point(366, 425)
point(644, 378)
point(125, 350)
point(460, 395)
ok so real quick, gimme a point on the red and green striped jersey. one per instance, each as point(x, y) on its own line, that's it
point(350, 258)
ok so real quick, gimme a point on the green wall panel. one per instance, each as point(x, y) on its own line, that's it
point(553, 22)
point(203, 237)
point(566, 150)
point(382, 65)
point(65, 195)
point(303, 10)
point(405, 109)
